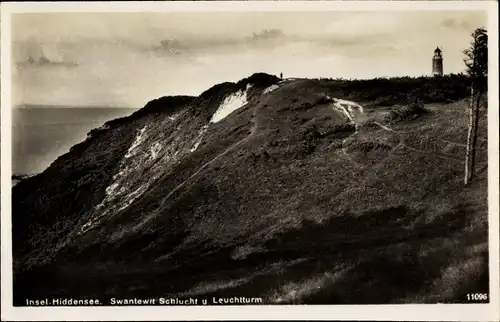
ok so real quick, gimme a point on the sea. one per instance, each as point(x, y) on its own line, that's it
point(41, 134)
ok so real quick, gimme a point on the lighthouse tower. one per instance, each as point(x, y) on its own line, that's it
point(437, 63)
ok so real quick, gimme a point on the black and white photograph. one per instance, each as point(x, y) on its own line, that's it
point(250, 156)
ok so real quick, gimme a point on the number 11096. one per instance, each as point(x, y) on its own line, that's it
point(477, 296)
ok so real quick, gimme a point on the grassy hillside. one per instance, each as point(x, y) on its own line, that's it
point(284, 199)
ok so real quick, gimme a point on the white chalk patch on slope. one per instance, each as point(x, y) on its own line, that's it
point(350, 105)
point(110, 190)
point(150, 156)
point(131, 197)
point(155, 149)
point(341, 108)
point(199, 138)
point(270, 89)
point(173, 117)
point(230, 104)
point(138, 140)
point(353, 111)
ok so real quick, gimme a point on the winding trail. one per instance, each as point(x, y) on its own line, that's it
point(402, 143)
point(451, 142)
point(253, 131)
point(344, 152)
point(386, 128)
point(441, 155)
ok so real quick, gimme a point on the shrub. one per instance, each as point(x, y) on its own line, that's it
point(391, 91)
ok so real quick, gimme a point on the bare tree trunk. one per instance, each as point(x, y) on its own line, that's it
point(474, 135)
point(469, 137)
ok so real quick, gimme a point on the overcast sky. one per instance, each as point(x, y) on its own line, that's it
point(127, 59)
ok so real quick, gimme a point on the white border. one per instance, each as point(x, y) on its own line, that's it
point(413, 312)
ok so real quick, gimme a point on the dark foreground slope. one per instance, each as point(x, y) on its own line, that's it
point(289, 198)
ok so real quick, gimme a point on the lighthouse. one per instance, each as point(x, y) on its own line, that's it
point(437, 63)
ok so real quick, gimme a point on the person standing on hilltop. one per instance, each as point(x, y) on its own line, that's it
point(281, 76)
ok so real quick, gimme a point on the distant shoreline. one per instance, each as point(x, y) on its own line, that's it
point(40, 134)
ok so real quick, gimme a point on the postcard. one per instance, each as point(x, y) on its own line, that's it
point(197, 160)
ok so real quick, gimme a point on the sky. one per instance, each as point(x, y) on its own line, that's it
point(127, 59)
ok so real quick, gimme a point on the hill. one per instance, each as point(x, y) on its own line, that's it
point(295, 191)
